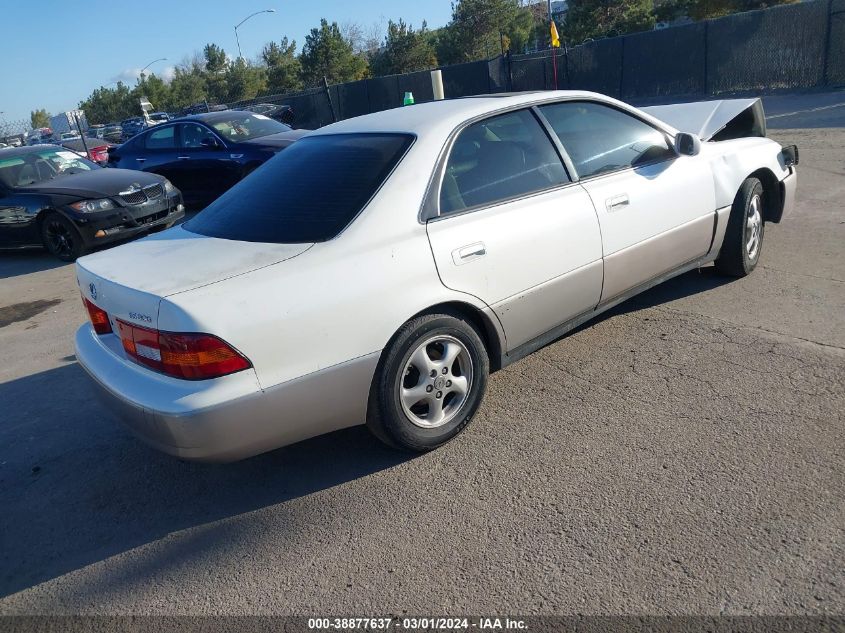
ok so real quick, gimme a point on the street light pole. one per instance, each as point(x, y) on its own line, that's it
point(237, 39)
point(160, 59)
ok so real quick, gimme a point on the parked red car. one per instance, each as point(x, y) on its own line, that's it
point(98, 149)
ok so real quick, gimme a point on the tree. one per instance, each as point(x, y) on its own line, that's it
point(155, 90)
point(606, 18)
point(706, 9)
point(283, 68)
point(328, 54)
point(480, 29)
point(105, 105)
point(364, 41)
point(188, 85)
point(39, 118)
point(215, 58)
point(243, 80)
point(404, 50)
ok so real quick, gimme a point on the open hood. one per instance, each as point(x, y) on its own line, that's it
point(719, 120)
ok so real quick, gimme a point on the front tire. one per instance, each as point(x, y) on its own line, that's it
point(61, 238)
point(429, 384)
point(744, 234)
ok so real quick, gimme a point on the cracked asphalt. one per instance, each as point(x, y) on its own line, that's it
point(681, 455)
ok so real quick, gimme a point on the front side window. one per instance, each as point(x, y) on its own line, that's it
point(162, 138)
point(602, 139)
point(308, 193)
point(193, 134)
point(502, 157)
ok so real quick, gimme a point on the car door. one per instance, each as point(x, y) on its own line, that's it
point(207, 161)
point(15, 221)
point(512, 229)
point(156, 151)
point(656, 209)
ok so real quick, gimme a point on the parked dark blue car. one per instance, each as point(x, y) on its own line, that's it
point(203, 155)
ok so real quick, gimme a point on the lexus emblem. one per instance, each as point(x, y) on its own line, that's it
point(92, 290)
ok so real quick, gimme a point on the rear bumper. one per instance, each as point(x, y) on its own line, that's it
point(227, 418)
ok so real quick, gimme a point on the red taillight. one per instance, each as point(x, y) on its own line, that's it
point(99, 318)
point(99, 154)
point(181, 355)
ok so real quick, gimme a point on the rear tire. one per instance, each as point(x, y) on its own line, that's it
point(744, 234)
point(61, 238)
point(429, 383)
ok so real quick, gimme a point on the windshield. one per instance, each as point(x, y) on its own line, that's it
point(245, 126)
point(309, 192)
point(33, 168)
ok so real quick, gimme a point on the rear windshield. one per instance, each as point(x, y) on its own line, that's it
point(309, 192)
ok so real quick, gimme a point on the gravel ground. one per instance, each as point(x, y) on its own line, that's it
point(682, 455)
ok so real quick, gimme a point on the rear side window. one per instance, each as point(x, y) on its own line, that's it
point(309, 192)
point(163, 138)
point(502, 157)
point(601, 139)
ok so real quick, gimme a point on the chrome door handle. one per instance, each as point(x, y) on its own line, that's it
point(183, 157)
point(617, 202)
point(140, 160)
point(468, 253)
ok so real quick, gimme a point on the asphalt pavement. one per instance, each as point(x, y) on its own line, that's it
point(683, 454)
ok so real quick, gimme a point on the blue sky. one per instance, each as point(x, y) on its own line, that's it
point(61, 51)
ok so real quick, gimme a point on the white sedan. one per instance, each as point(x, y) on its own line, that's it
point(377, 270)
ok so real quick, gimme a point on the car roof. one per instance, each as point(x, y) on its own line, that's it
point(444, 116)
point(213, 117)
point(26, 149)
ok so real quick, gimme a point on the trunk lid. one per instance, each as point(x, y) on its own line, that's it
point(279, 139)
point(129, 281)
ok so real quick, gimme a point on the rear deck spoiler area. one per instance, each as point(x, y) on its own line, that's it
point(719, 120)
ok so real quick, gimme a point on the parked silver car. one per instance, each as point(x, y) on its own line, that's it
point(377, 270)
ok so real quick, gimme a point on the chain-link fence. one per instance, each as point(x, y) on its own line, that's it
point(14, 132)
point(792, 46)
point(834, 66)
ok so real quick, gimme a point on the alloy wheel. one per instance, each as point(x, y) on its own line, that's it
point(436, 381)
point(59, 238)
point(753, 228)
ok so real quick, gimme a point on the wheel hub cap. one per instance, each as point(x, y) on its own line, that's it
point(436, 381)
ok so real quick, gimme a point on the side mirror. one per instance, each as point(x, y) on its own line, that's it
point(687, 144)
point(790, 155)
point(209, 141)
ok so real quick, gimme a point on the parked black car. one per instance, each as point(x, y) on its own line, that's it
point(282, 113)
point(51, 197)
point(205, 154)
point(113, 133)
point(201, 108)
